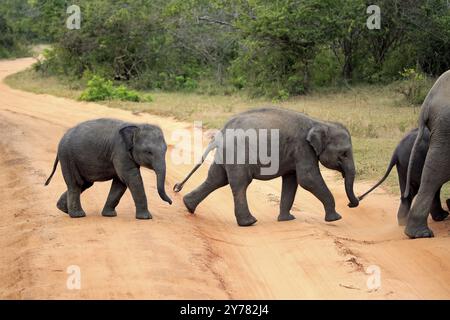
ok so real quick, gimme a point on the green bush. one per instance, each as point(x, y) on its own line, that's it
point(99, 89)
point(414, 86)
point(124, 94)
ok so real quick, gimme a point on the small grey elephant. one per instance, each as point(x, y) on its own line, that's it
point(105, 149)
point(303, 143)
point(400, 159)
point(435, 116)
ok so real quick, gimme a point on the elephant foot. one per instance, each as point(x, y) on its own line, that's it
point(107, 212)
point(329, 217)
point(62, 205)
point(77, 214)
point(247, 221)
point(439, 215)
point(419, 232)
point(143, 215)
point(286, 217)
point(188, 204)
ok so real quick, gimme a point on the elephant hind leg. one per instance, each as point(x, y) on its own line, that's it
point(405, 203)
point(73, 199)
point(403, 210)
point(116, 192)
point(288, 190)
point(216, 179)
point(75, 186)
point(62, 202)
point(437, 212)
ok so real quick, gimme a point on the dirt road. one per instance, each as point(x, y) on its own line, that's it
point(181, 256)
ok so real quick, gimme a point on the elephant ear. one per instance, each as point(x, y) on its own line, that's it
point(127, 133)
point(317, 138)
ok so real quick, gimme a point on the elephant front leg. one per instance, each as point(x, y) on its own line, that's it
point(417, 226)
point(118, 188)
point(311, 180)
point(134, 182)
point(288, 190)
point(243, 216)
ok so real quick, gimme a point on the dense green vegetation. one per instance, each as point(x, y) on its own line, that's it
point(99, 89)
point(265, 48)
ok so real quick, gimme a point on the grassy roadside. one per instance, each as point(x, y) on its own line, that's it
point(376, 116)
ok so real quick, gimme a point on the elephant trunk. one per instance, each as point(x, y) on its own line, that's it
point(160, 183)
point(349, 175)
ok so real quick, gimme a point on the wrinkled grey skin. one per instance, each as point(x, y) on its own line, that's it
point(303, 143)
point(434, 115)
point(105, 149)
point(400, 159)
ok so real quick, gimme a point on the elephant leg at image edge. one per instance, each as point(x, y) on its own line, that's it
point(417, 226)
point(288, 191)
point(437, 212)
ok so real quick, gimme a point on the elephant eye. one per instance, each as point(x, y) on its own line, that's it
point(149, 152)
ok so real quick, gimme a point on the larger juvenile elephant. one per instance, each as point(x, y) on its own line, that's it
point(105, 149)
point(400, 159)
point(303, 143)
point(434, 115)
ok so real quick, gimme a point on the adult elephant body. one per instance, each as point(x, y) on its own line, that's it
point(434, 115)
point(105, 149)
point(400, 159)
point(302, 143)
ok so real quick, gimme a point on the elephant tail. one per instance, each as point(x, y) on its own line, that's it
point(393, 162)
point(53, 172)
point(178, 186)
point(422, 122)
